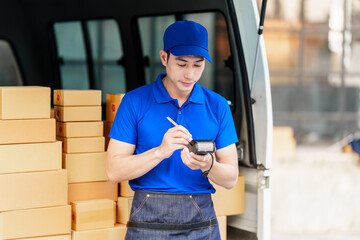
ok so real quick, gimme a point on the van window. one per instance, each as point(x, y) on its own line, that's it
point(72, 57)
point(107, 53)
point(151, 33)
point(90, 54)
point(9, 70)
point(217, 76)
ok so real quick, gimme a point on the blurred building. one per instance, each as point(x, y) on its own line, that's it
point(313, 50)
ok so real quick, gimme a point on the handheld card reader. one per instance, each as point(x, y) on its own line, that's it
point(200, 147)
point(203, 147)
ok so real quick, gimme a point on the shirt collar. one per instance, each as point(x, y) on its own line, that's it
point(162, 96)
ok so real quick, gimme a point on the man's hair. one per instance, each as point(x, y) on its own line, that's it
point(168, 55)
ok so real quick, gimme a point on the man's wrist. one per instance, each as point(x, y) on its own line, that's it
point(158, 154)
point(206, 172)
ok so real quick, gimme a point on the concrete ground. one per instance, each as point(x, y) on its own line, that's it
point(315, 195)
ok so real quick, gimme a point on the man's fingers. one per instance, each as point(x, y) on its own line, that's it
point(180, 129)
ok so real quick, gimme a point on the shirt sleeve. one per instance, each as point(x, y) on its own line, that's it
point(124, 127)
point(227, 132)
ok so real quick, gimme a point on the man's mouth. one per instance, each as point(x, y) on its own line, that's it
point(187, 84)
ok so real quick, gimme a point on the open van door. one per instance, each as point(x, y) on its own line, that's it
point(256, 162)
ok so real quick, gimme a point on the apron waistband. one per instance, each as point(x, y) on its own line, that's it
point(172, 227)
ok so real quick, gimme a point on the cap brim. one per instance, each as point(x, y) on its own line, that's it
point(190, 50)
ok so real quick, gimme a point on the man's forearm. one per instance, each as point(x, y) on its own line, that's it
point(224, 174)
point(126, 167)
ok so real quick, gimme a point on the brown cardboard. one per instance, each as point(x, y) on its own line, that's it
point(85, 167)
point(93, 214)
point(83, 145)
point(77, 114)
point(112, 104)
point(222, 221)
point(27, 131)
point(114, 233)
point(229, 202)
point(35, 222)
point(19, 102)
point(77, 97)
point(92, 190)
point(57, 237)
point(123, 209)
point(125, 189)
point(79, 129)
point(32, 190)
point(283, 140)
point(107, 128)
point(283, 132)
point(30, 157)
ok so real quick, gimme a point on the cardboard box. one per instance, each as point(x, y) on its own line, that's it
point(229, 202)
point(92, 190)
point(222, 221)
point(19, 102)
point(27, 131)
point(85, 167)
point(107, 128)
point(123, 209)
point(83, 145)
point(283, 140)
point(77, 114)
point(112, 104)
point(93, 214)
point(32, 190)
point(115, 233)
point(79, 129)
point(57, 237)
point(35, 222)
point(125, 189)
point(77, 97)
point(283, 132)
point(30, 157)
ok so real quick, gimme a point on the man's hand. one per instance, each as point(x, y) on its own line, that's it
point(194, 161)
point(175, 138)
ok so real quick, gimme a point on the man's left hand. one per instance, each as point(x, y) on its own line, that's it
point(195, 161)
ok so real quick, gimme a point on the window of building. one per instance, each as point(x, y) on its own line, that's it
point(9, 70)
point(313, 53)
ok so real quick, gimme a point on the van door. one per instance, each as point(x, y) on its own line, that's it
point(257, 159)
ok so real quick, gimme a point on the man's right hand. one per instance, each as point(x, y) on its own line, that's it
point(175, 138)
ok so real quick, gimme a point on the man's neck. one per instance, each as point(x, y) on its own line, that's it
point(181, 97)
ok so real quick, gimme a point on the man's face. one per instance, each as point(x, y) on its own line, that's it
point(183, 71)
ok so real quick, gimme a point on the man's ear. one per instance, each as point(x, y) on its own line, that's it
point(163, 57)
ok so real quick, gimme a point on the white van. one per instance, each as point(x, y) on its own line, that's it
point(113, 45)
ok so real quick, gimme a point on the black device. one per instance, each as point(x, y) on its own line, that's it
point(201, 147)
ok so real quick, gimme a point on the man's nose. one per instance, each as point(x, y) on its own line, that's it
point(189, 73)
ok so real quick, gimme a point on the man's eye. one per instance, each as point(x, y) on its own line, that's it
point(197, 66)
point(181, 65)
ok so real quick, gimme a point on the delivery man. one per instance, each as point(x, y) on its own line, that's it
point(172, 190)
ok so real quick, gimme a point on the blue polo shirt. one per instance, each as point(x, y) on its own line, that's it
point(141, 120)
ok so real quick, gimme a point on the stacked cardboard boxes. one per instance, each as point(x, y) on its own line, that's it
point(33, 199)
point(92, 196)
point(112, 104)
point(124, 201)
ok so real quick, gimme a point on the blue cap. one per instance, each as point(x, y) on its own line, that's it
point(187, 38)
